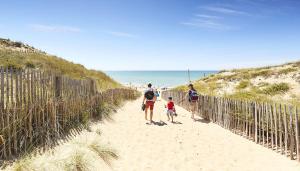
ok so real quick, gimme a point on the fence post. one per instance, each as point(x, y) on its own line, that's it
point(255, 110)
point(58, 95)
point(297, 134)
point(58, 87)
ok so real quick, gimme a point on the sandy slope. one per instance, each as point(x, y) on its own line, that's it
point(186, 146)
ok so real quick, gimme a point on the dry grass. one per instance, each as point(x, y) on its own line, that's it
point(106, 154)
point(23, 165)
point(78, 163)
point(21, 60)
point(85, 152)
point(98, 131)
point(262, 84)
point(287, 71)
point(276, 89)
point(243, 84)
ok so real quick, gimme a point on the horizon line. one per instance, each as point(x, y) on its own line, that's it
point(156, 70)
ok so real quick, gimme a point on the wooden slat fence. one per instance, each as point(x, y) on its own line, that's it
point(37, 109)
point(275, 126)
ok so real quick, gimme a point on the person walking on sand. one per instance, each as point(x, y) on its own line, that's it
point(171, 112)
point(149, 100)
point(193, 100)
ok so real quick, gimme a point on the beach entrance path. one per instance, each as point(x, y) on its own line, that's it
point(186, 146)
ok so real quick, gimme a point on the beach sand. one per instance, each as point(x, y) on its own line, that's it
point(186, 145)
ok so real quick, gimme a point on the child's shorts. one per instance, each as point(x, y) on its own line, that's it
point(171, 112)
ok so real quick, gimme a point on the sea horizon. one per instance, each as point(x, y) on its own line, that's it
point(159, 78)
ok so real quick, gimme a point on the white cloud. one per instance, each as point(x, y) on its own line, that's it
point(224, 10)
point(54, 28)
point(207, 16)
point(208, 24)
point(121, 34)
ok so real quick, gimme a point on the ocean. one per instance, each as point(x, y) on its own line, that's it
point(157, 78)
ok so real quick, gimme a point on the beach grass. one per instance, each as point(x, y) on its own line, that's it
point(20, 60)
point(279, 83)
point(83, 153)
point(276, 89)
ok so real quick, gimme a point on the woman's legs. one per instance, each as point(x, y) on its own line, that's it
point(193, 109)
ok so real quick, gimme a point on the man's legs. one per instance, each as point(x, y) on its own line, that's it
point(146, 113)
point(151, 106)
point(151, 115)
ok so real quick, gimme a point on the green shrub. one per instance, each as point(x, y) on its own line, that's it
point(29, 65)
point(20, 60)
point(263, 84)
point(222, 71)
point(263, 73)
point(287, 70)
point(243, 84)
point(243, 95)
point(276, 89)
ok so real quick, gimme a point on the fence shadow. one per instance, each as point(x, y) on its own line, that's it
point(202, 121)
point(38, 109)
point(176, 122)
point(160, 123)
point(275, 126)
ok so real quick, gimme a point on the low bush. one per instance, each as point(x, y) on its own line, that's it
point(243, 84)
point(287, 70)
point(263, 73)
point(276, 89)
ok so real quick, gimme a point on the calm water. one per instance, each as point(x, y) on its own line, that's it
point(157, 78)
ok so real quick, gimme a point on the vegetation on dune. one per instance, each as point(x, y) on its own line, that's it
point(257, 84)
point(78, 163)
point(23, 165)
point(36, 60)
point(243, 84)
point(82, 154)
point(16, 57)
point(106, 154)
point(287, 70)
point(276, 89)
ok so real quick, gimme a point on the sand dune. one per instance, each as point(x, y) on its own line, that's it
point(186, 145)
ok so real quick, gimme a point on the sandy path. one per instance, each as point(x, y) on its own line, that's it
point(186, 146)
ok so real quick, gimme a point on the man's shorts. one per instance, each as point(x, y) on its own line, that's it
point(150, 104)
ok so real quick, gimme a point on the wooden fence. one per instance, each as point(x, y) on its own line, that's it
point(274, 126)
point(39, 108)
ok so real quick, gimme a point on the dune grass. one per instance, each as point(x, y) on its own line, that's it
point(106, 154)
point(287, 70)
point(243, 84)
point(21, 60)
point(23, 165)
point(86, 152)
point(276, 89)
point(252, 84)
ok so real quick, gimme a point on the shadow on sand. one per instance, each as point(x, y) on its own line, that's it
point(161, 123)
point(176, 122)
point(202, 121)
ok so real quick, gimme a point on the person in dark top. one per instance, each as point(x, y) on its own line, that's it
point(149, 100)
point(193, 100)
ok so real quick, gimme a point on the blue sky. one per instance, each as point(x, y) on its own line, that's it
point(158, 34)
